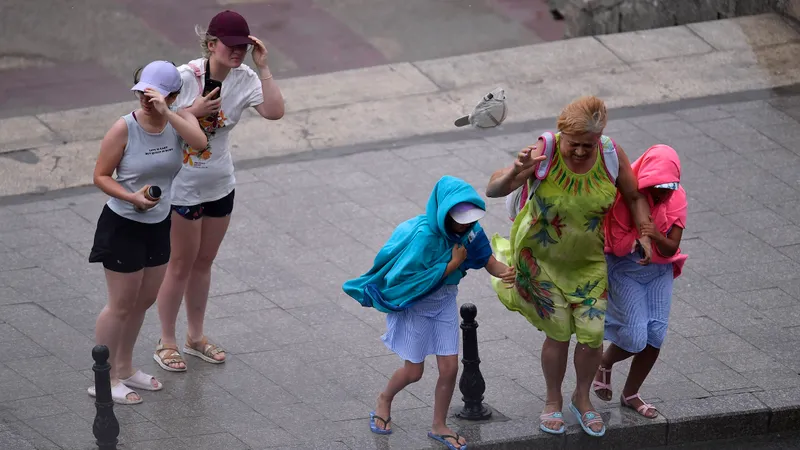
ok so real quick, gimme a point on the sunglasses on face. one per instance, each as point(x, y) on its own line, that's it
point(242, 47)
point(140, 94)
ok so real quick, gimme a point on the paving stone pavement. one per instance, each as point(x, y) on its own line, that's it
point(306, 362)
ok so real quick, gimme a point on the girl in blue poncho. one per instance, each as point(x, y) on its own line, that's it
point(415, 280)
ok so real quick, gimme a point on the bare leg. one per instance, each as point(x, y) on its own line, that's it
point(402, 377)
point(640, 367)
point(151, 281)
point(185, 242)
point(554, 366)
point(445, 385)
point(611, 356)
point(587, 360)
point(212, 233)
point(123, 290)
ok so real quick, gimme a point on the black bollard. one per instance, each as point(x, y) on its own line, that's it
point(471, 383)
point(106, 427)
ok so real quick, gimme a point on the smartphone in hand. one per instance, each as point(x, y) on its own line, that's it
point(209, 84)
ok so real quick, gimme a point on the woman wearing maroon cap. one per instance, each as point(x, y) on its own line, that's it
point(218, 88)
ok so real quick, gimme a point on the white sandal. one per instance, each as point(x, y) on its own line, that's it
point(141, 380)
point(119, 394)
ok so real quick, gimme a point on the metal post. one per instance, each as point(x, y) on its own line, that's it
point(471, 383)
point(106, 427)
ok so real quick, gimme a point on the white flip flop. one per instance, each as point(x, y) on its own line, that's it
point(141, 380)
point(119, 394)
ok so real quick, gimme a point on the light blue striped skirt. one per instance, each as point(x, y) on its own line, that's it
point(639, 298)
point(428, 327)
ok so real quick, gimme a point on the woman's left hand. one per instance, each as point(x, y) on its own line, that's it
point(259, 53)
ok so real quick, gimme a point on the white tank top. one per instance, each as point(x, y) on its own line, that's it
point(148, 159)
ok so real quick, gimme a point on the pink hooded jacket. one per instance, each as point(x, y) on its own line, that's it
point(659, 164)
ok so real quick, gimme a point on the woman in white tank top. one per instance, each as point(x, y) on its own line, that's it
point(132, 236)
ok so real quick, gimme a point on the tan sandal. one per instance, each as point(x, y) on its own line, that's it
point(203, 350)
point(170, 355)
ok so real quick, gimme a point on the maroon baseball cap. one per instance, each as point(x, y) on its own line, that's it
point(230, 28)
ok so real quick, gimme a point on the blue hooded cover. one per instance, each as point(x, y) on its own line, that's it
point(412, 263)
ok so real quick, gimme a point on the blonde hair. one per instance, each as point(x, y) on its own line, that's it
point(584, 115)
point(205, 38)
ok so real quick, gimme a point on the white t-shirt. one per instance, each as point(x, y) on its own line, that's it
point(207, 174)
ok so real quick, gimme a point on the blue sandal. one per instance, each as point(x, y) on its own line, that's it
point(443, 439)
point(555, 416)
point(587, 419)
point(374, 427)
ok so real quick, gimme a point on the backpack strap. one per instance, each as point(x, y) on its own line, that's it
point(516, 200)
point(610, 157)
point(197, 74)
point(543, 167)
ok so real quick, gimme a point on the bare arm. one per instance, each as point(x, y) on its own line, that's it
point(504, 181)
point(188, 128)
point(629, 188)
point(668, 245)
point(111, 150)
point(459, 255)
point(496, 268)
point(273, 106)
point(508, 179)
point(452, 266)
point(501, 270)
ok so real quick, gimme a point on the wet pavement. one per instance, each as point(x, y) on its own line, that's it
point(777, 441)
point(377, 107)
point(306, 362)
point(63, 55)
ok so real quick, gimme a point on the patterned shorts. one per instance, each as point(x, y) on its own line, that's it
point(586, 319)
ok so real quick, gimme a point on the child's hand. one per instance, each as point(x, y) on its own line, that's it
point(649, 231)
point(459, 254)
point(509, 277)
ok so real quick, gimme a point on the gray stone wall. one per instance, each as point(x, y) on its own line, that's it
point(592, 17)
point(789, 8)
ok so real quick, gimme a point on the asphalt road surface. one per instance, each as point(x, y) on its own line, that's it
point(57, 55)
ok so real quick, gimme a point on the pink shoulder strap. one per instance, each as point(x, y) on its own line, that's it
point(543, 167)
point(197, 76)
point(540, 173)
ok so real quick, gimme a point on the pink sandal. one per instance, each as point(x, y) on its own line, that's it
point(643, 409)
point(603, 385)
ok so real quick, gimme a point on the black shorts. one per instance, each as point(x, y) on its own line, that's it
point(127, 246)
point(217, 208)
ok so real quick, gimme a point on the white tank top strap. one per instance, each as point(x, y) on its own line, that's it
point(610, 157)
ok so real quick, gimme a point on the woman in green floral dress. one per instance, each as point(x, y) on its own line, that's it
point(556, 244)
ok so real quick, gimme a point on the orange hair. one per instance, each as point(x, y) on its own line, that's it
point(585, 115)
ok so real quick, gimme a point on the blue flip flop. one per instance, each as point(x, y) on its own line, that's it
point(589, 418)
point(443, 439)
point(374, 428)
point(552, 417)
